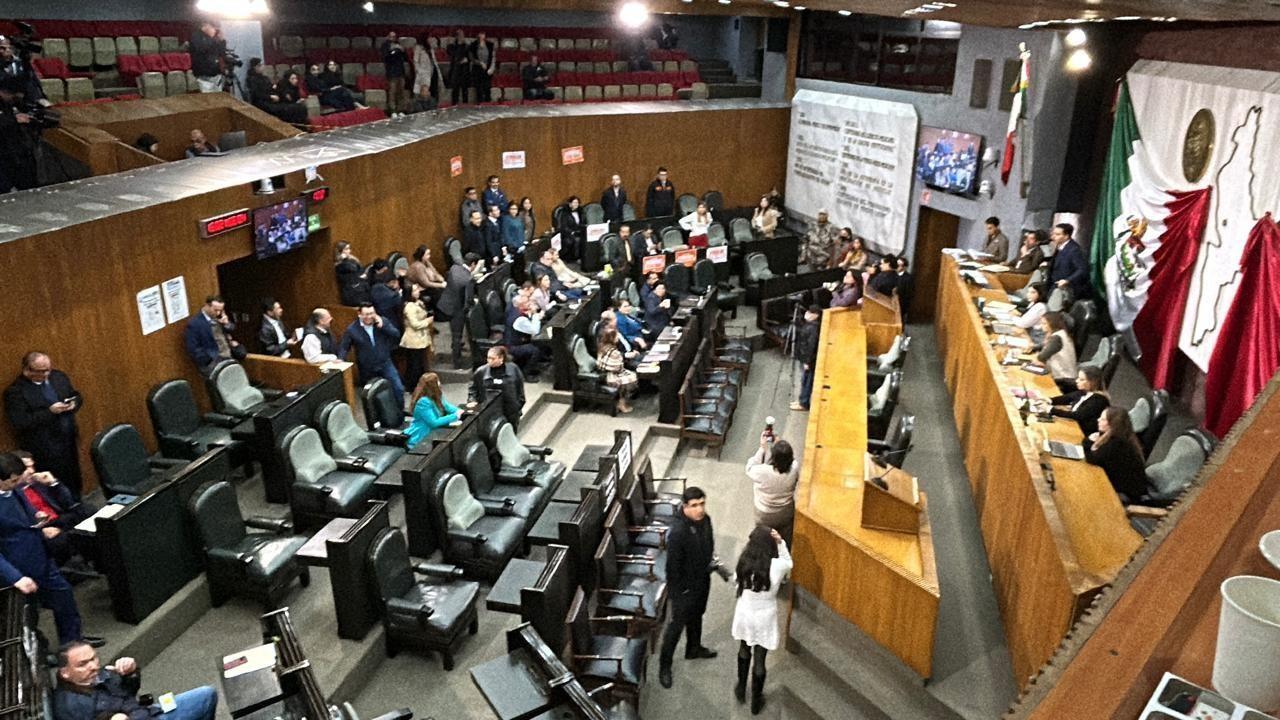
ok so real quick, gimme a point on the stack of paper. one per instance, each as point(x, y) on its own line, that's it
point(89, 525)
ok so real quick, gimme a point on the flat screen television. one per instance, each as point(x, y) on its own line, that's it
point(279, 228)
point(948, 160)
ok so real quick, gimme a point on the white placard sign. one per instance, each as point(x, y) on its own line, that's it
point(513, 160)
point(151, 309)
point(718, 254)
point(175, 299)
point(853, 157)
point(597, 231)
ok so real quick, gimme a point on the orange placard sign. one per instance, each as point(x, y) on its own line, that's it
point(571, 155)
point(687, 257)
point(654, 264)
point(455, 166)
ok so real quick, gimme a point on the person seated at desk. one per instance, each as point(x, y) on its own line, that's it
point(318, 344)
point(199, 145)
point(853, 256)
point(1058, 354)
point(430, 410)
point(523, 325)
point(697, 224)
point(1086, 403)
point(571, 279)
point(57, 509)
point(628, 326)
point(87, 691)
point(542, 296)
point(885, 278)
point(609, 319)
point(764, 221)
point(1115, 449)
point(647, 243)
point(850, 292)
point(545, 266)
point(657, 309)
point(609, 358)
point(424, 273)
point(1037, 294)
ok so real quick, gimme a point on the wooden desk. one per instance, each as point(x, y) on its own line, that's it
point(884, 582)
point(287, 374)
point(1050, 550)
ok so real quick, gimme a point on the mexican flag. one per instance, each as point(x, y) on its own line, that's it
point(1015, 114)
point(1132, 208)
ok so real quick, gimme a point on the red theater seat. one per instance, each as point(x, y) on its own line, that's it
point(177, 61)
point(370, 82)
point(130, 68)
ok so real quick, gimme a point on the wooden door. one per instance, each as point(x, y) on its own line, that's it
point(935, 231)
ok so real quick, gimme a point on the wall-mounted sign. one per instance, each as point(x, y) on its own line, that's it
point(455, 166)
point(175, 299)
point(224, 223)
point(151, 309)
point(513, 160)
point(571, 155)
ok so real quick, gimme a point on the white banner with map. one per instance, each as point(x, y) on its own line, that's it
point(853, 156)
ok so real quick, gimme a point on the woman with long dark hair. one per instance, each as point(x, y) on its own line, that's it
point(526, 217)
point(850, 292)
point(1115, 448)
point(773, 471)
point(352, 284)
point(569, 223)
point(762, 567)
point(415, 337)
point(430, 409)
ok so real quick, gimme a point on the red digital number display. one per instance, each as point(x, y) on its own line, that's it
point(318, 195)
point(224, 223)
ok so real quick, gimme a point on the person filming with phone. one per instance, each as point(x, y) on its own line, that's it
point(41, 407)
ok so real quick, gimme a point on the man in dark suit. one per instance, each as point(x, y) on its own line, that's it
point(374, 338)
point(388, 301)
point(459, 293)
point(905, 286)
point(208, 336)
point(274, 337)
point(57, 507)
point(484, 62)
point(24, 563)
point(661, 200)
point(613, 199)
point(41, 406)
point(459, 69)
point(886, 278)
point(691, 558)
point(474, 236)
point(1069, 268)
point(493, 235)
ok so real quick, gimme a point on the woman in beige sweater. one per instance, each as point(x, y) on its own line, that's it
point(416, 337)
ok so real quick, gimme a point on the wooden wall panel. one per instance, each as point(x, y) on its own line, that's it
point(72, 292)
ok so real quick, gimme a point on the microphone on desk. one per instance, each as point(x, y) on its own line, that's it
point(882, 459)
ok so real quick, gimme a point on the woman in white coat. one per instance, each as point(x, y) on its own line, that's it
point(763, 566)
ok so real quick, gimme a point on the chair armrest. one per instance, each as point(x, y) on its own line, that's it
point(607, 658)
point(875, 446)
point(468, 536)
point(393, 438)
point(521, 476)
point(269, 393)
point(176, 445)
point(660, 529)
point(629, 593)
point(708, 386)
point(635, 560)
point(497, 505)
point(541, 451)
point(164, 463)
point(440, 570)
point(682, 480)
point(276, 525)
point(220, 419)
point(351, 464)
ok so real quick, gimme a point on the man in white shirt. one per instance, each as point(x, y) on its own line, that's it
point(318, 344)
point(274, 336)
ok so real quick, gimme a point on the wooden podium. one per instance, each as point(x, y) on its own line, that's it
point(894, 507)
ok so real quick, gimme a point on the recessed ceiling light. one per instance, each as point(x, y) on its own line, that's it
point(1079, 60)
point(801, 8)
point(846, 13)
point(1128, 17)
point(1076, 38)
point(781, 3)
point(633, 14)
point(725, 2)
point(367, 7)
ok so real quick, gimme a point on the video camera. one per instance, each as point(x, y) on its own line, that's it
point(25, 42)
point(42, 118)
point(230, 60)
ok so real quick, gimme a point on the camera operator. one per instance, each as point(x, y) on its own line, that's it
point(208, 47)
point(17, 139)
point(17, 66)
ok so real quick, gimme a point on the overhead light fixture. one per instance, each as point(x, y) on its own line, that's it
point(633, 14)
point(846, 13)
point(367, 7)
point(724, 2)
point(233, 8)
point(1076, 38)
point(801, 8)
point(1079, 60)
point(781, 3)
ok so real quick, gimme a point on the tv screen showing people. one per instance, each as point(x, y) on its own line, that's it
point(948, 160)
point(279, 228)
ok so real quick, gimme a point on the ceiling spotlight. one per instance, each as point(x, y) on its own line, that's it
point(233, 8)
point(801, 8)
point(781, 3)
point(1076, 38)
point(633, 14)
point(367, 7)
point(845, 13)
point(1079, 60)
point(724, 2)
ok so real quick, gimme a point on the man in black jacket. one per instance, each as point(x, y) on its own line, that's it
point(475, 238)
point(502, 377)
point(661, 199)
point(691, 558)
point(87, 691)
point(806, 353)
point(41, 406)
point(207, 49)
point(612, 200)
point(484, 62)
point(886, 279)
point(904, 285)
point(274, 337)
point(534, 77)
point(459, 293)
point(262, 95)
point(396, 62)
point(459, 67)
point(374, 339)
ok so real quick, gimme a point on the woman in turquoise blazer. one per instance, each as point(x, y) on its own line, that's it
point(430, 409)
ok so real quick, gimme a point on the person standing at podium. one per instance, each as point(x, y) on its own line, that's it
point(773, 471)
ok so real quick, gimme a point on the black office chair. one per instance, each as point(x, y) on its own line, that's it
point(525, 500)
point(678, 279)
point(629, 588)
point(716, 235)
point(232, 393)
point(516, 460)
point(1083, 317)
point(686, 203)
point(704, 277)
point(1106, 357)
point(754, 269)
point(882, 403)
point(619, 660)
point(589, 384)
point(433, 614)
point(260, 566)
point(671, 237)
point(628, 212)
point(453, 250)
point(1148, 417)
point(495, 311)
point(321, 487)
point(714, 200)
point(382, 410)
point(482, 336)
point(181, 432)
point(1169, 478)
point(611, 250)
point(399, 264)
point(740, 231)
point(897, 444)
point(343, 438)
point(481, 537)
point(122, 463)
point(627, 545)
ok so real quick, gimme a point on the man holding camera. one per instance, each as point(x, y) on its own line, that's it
point(207, 48)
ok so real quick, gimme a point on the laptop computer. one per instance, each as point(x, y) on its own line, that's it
point(1066, 451)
